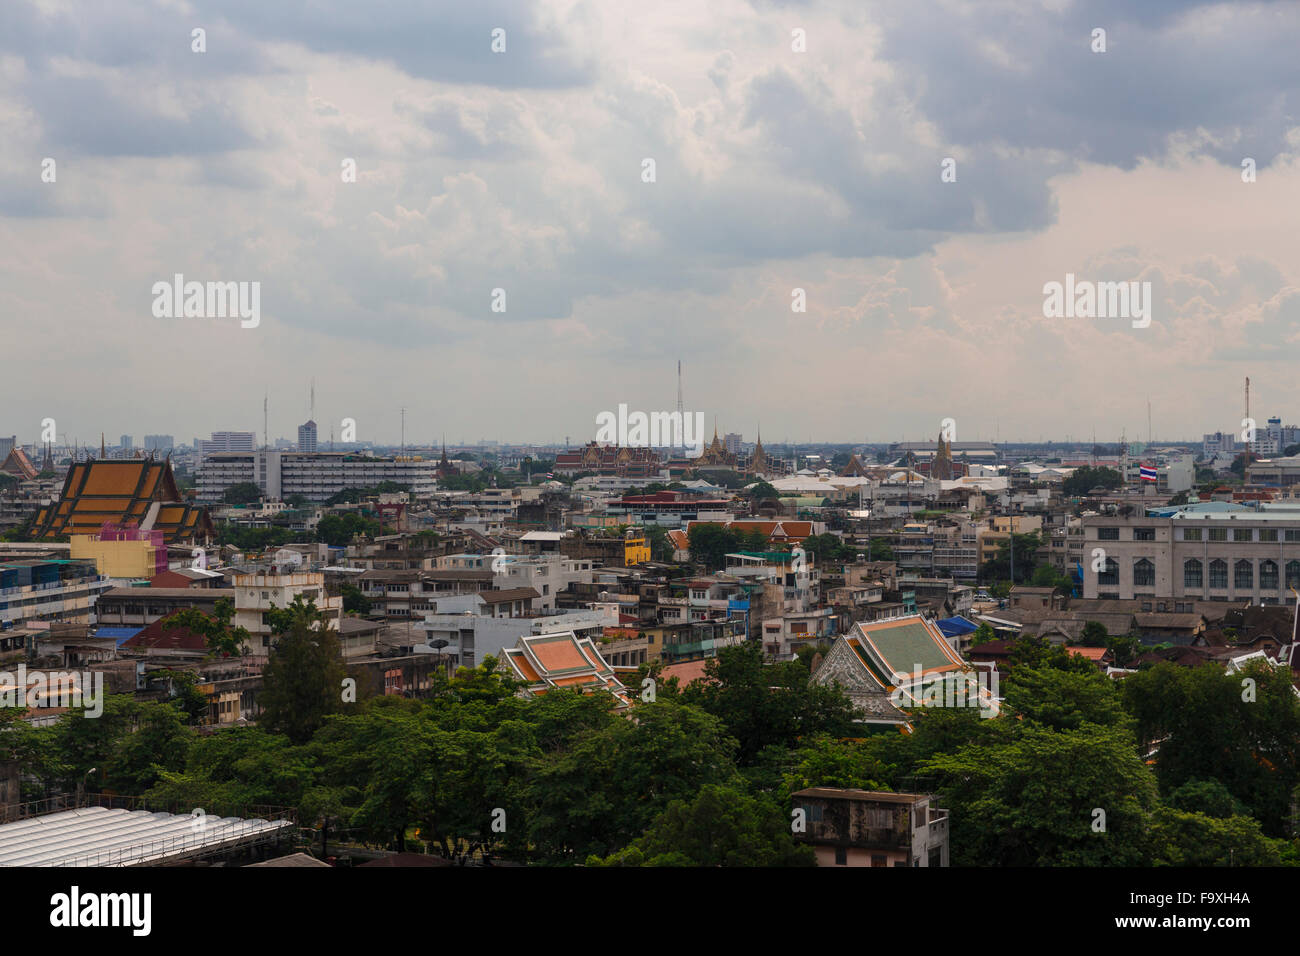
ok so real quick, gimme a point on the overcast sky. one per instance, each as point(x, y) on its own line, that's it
point(775, 169)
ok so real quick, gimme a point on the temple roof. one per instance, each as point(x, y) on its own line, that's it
point(17, 463)
point(544, 661)
point(138, 493)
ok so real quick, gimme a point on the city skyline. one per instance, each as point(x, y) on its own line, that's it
point(800, 153)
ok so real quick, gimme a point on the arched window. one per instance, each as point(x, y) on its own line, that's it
point(1144, 573)
point(1218, 573)
point(1268, 575)
point(1109, 574)
point(1243, 575)
point(1194, 573)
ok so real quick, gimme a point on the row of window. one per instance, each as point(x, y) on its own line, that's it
point(1243, 574)
point(1207, 534)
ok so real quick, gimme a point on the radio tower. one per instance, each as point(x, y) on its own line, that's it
point(266, 431)
point(681, 407)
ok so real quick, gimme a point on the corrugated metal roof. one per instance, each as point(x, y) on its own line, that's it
point(98, 836)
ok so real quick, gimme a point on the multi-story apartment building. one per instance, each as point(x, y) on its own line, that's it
point(547, 574)
point(1235, 555)
point(956, 551)
point(256, 594)
point(159, 443)
point(43, 589)
point(316, 477)
point(227, 442)
point(471, 637)
point(1218, 443)
point(307, 437)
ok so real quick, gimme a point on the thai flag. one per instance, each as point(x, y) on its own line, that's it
point(1147, 474)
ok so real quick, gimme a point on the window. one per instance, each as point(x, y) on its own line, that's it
point(841, 856)
point(878, 860)
point(1218, 534)
point(1218, 573)
point(1108, 534)
point(1268, 534)
point(1243, 534)
point(1110, 574)
point(1292, 534)
point(1191, 534)
point(1268, 575)
point(1144, 573)
point(1192, 573)
point(1293, 574)
point(1144, 534)
point(1243, 575)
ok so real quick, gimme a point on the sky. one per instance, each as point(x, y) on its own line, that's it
point(795, 146)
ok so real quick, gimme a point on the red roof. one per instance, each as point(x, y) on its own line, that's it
point(156, 637)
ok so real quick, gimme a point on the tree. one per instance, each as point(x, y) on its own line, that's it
point(1239, 729)
point(242, 493)
point(606, 787)
point(983, 634)
point(1085, 479)
point(718, 826)
point(879, 550)
point(1183, 838)
point(710, 543)
point(1046, 576)
point(339, 530)
point(764, 704)
point(1064, 700)
point(762, 491)
point(999, 567)
point(355, 600)
point(1094, 634)
point(1030, 797)
point(302, 682)
point(1124, 649)
point(222, 636)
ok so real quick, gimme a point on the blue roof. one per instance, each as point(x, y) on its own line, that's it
point(120, 634)
point(952, 626)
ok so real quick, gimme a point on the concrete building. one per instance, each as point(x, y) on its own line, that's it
point(122, 553)
point(256, 594)
point(866, 828)
point(1274, 472)
point(227, 442)
point(42, 589)
point(159, 443)
point(316, 477)
point(471, 636)
point(307, 437)
point(1232, 554)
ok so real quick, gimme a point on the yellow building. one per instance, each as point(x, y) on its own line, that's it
point(635, 551)
point(122, 554)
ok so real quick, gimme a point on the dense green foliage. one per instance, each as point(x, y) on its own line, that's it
point(1171, 766)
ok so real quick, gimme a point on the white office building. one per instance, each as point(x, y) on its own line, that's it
point(281, 475)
